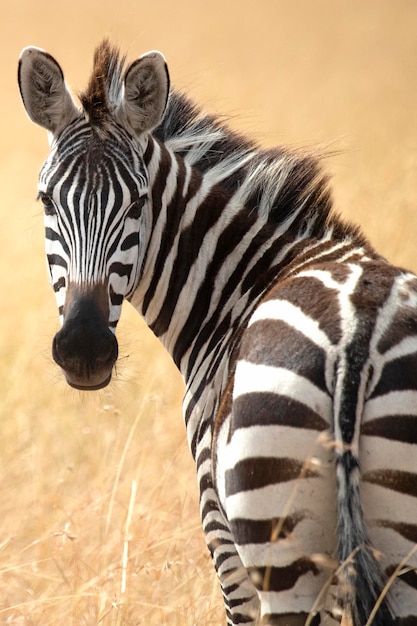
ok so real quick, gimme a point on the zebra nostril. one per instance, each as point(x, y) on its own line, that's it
point(56, 352)
point(109, 350)
point(84, 342)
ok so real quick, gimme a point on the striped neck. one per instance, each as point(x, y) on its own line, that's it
point(219, 233)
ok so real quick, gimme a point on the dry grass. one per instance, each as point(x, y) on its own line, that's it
point(99, 514)
point(99, 520)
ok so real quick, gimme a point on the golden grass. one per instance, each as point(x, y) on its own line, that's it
point(99, 513)
point(99, 518)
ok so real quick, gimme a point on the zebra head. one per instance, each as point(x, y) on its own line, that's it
point(94, 188)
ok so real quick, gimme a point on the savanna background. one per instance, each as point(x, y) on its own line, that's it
point(99, 519)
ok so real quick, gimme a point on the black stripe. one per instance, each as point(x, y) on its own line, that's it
point(51, 234)
point(270, 409)
point(293, 619)
point(217, 526)
point(408, 531)
point(121, 269)
point(191, 404)
point(278, 344)
point(112, 249)
point(131, 241)
point(255, 473)
point(403, 324)
point(398, 375)
point(247, 531)
point(115, 298)
point(392, 427)
point(59, 284)
point(204, 455)
point(409, 577)
point(124, 173)
point(318, 302)
point(397, 480)
point(237, 602)
point(66, 172)
point(225, 556)
point(159, 183)
point(238, 618)
point(283, 578)
point(229, 589)
point(56, 259)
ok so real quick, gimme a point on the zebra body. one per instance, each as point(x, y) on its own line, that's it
point(296, 340)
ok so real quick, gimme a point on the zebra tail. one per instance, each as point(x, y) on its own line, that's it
point(361, 579)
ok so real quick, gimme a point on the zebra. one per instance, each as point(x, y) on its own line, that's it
point(296, 340)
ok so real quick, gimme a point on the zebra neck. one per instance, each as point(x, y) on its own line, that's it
point(218, 236)
point(194, 231)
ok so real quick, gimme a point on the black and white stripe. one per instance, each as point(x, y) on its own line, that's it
point(296, 340)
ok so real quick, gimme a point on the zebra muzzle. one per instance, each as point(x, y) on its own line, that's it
point(85, 348)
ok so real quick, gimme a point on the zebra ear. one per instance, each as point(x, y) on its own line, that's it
point(146, 90)
point(45, 96)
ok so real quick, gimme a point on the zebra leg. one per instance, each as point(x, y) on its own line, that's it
point(239, 594)
point(279, 492)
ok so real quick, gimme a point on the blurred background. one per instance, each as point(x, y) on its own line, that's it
point(99, 519)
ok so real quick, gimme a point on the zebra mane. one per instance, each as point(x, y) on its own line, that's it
point(186, 128)
point(277, 182)
point(104, 88)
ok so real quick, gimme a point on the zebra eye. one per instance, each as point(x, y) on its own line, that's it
point(48, 205)
point(135, 209)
